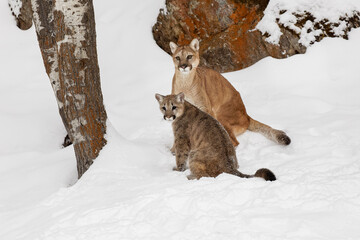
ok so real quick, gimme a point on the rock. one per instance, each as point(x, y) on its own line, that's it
point(226, 31)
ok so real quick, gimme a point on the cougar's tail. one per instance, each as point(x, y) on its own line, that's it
point(272, 134)
point(261, 173)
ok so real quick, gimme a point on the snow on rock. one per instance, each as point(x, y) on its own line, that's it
point(309, 19)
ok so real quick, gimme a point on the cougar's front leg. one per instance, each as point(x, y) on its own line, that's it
point(172, 149)
point(182, 155)
point(182, 149)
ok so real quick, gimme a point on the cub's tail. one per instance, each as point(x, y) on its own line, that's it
point(261, 173)
point(272, 134)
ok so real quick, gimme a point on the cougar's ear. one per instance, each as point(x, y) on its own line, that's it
point(173, 47)
point(195, 44)
point(180, 97)
point(159, 97)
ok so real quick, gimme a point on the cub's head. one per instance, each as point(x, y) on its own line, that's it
point(186, 58)
point(172, 106)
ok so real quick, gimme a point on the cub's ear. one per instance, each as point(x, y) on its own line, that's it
point(195, 44)
point(173, 47)
point(159, 97)
point(180, 97)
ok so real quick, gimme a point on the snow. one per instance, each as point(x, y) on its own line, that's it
point(285, 13)
point(131, 192)
point(15, 6)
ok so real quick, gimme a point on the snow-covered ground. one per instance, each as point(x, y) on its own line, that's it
point(130, 192)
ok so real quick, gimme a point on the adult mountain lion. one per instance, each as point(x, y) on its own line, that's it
point(212, 93)
point(201, 142)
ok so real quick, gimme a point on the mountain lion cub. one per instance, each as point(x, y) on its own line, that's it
point(202, 141)
point(212, 93)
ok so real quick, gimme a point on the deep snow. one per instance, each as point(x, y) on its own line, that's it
point(131, 192)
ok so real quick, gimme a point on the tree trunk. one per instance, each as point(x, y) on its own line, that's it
point(67, 40)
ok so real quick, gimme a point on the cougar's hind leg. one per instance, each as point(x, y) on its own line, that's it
point(197, 169)
point(198, 164)
point(235, 121)
point(232, 136)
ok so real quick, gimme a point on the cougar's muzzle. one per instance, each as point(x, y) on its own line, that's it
point(169, 118)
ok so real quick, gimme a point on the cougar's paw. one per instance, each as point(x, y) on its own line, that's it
point(172, 150)
point(191, 177)
point(180, 168)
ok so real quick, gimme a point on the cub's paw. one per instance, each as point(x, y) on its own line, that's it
point(181, 168)
point(172, 150)
point(191, 177)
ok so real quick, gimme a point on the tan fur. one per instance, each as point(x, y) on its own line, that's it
point(212, 93)
point(201, 140)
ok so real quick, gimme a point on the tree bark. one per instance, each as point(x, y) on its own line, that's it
point(67, 40)
point(23, 15)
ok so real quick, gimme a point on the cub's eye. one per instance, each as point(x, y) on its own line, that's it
point(178, 58)
point(164, 108)
point(189, 57)
point(174, 107)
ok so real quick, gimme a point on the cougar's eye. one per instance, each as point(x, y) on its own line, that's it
point(164, 108)
point(178, 58)
point(174, 107)
point(189, 57)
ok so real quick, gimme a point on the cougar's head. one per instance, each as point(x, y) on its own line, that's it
point(172, 106)
point(186, 58)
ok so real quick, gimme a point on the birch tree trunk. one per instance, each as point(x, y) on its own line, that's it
point(67, 40)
